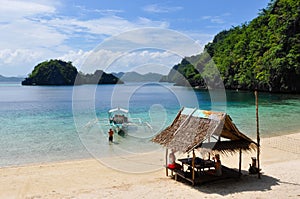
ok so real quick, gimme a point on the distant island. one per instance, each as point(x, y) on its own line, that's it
point(137, 77)
point(263, 54)
point(58, 72)
point(10, 79)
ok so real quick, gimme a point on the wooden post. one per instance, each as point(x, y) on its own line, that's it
point(240, 163)
point(167, 174)
point(257, 133)
point(193, 165)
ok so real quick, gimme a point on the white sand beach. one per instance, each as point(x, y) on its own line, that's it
point(280, 161)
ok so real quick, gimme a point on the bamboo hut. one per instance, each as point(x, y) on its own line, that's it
point(194, 128)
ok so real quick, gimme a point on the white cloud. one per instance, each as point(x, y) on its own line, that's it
point(14, 9)
point(98, 60)
point(136, 49)
point(24, 55)
point(19, 31)
point(24, 41)
point(206, 17)
point(201, 38)
point(19, 61)
point(33, 31)
point(100, 11)
point(145, 61)
point(118, 61)
point(76, 57)
point(28, 34)
point(108, 25)
point(156, 8)
point(154, 38)
point(217, 19)
point(214, 19)
point(141, 60)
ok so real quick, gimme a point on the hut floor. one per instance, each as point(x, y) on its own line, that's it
point(204, 177)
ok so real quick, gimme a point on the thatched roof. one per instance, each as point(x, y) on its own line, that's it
point(193, 127)
point(228, 147)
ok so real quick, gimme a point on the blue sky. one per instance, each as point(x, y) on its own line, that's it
point(32, 31)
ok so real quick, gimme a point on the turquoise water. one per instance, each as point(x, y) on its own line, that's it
point(42, 124)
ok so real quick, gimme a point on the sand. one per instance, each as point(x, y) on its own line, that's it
point(280, 162)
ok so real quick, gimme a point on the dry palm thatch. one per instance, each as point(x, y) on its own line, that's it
point(229, 147)
point(193, 128)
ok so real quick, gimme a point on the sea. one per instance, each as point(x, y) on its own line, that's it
point(59, 123)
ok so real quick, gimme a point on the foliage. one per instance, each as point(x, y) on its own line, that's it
point(53, 72)
point(99, 77)
point(263, 54)
point(58, 72)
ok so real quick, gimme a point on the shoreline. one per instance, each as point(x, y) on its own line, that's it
point(88, 178)
point(292, 135)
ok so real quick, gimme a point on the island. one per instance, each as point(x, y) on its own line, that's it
point(58, 72)
point(137, 77)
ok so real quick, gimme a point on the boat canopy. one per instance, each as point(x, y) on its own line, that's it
point(118, 109)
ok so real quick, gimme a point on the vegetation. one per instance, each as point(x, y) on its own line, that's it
point(53, 72)
point(58, 72)
point(263, 54)
point(137, 77)
point(99, 77)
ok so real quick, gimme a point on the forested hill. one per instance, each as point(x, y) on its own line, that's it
point(262, 54)
point(58, 72)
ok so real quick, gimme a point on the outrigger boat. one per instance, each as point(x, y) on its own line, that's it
point(121, 124)
point(118, 120)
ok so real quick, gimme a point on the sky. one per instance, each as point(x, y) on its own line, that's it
point(145, 36)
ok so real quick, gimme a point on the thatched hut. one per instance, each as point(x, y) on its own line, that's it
point(194, 128)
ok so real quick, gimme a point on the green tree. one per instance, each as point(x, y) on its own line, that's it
point(261, 54)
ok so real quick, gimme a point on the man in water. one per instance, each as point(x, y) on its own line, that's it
point(110, 135)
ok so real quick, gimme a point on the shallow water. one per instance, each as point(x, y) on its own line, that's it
point(42, 124)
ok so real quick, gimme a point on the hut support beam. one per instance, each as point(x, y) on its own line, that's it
point(167, 174)
point(240, 163)
point(193, 165)
point(257, 134)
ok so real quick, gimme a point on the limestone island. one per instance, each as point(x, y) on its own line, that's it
point(59, 73)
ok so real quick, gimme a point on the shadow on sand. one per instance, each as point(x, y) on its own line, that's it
point(236, 185)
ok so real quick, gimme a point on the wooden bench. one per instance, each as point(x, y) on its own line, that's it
point(184, 175)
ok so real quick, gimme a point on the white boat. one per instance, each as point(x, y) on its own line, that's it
point(121, 124)
point(118, 119)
